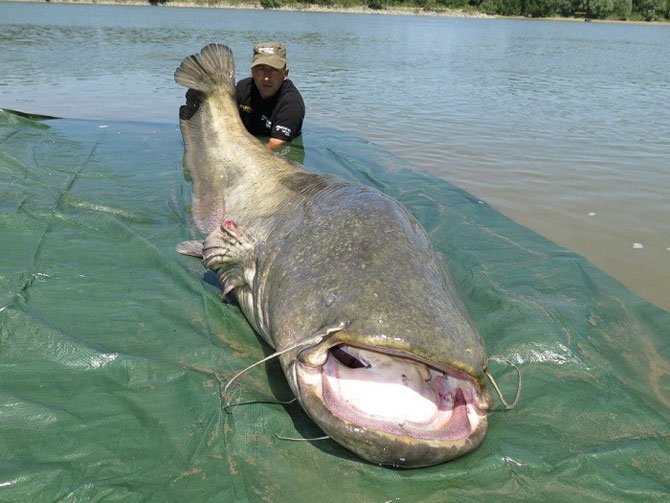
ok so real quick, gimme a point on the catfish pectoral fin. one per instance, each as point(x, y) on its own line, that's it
point(229, 252)
point(230, 280)
point(191, 248)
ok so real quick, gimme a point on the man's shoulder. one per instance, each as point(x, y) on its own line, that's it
point(289, 87)
point(290, 93)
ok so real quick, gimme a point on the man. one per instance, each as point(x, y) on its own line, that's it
point(269, 103)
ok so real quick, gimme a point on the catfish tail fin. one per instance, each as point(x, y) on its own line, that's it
point(213, 67)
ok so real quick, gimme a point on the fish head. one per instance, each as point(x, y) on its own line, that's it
point(388, 404)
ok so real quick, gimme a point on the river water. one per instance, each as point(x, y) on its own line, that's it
point(564, 127)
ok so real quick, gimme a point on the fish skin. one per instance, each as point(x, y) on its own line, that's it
point(312, 258)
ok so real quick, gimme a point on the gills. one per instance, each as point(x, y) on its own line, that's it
point(340, 279)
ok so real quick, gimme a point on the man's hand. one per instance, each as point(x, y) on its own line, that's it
point(275, 143)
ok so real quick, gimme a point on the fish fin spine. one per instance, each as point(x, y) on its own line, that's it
point(191, 248)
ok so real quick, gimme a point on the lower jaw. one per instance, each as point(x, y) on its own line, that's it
point(388, 448)
point(398, 451)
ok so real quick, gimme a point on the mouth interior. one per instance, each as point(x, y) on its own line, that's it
point(400, 395)
point(349, 359)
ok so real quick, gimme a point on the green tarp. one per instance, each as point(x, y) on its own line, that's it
point(114, 348)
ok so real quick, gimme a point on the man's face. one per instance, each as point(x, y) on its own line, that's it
point(268, 80)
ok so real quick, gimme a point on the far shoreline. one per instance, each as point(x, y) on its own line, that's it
point(392, 11)
point(251, 5)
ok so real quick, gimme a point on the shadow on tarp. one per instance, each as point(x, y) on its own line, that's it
point(114, 350)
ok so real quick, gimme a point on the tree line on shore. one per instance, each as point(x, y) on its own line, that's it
point(631, 10)
point(646, 10)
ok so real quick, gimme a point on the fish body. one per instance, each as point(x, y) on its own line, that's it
point(339, 278)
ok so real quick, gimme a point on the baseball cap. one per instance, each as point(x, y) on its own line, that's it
point(269, 53)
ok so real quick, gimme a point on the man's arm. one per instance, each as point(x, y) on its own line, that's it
point(287, 118)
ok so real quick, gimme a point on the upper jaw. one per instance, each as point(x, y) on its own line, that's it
point(392, 409)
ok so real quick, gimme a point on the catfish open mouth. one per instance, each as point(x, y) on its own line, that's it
point(398, 396)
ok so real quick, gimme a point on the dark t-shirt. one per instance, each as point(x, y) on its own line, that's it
point(277, 117)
